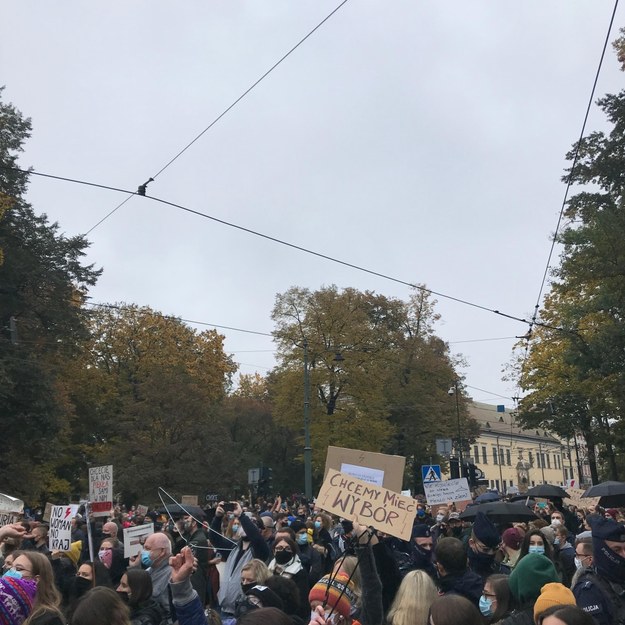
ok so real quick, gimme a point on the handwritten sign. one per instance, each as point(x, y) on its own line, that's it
point(60, 535)
point(101, 490)
point(134, 537)
point(446, 491)
point(141, 510)
point(8, 517)
point(367, 504)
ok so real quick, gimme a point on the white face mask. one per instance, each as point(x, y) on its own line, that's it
point(440, 518)
point(556, 522)
point(578, 563)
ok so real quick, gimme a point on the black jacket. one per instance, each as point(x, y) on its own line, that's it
point(467, 584)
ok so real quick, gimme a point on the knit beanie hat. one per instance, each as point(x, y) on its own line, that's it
point(512, 538)
point(530, 574)
point(16, 599)
point(268, 597)
point(74, 552)
point(335, 593)
point(551, 595)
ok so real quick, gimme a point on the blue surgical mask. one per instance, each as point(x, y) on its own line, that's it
point(317, 525)
point(486, 606)
point(13, 573)
point(235, 527)
point(536, 549)
point(146, 560)
point(556, 541)
point(302, 539)
point(420, 512)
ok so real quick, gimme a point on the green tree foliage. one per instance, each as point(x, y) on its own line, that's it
point(580, 367)
point(149, 396)
point(42, 283)
point(379, 376)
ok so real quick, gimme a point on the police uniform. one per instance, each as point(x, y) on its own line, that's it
point(600, 589)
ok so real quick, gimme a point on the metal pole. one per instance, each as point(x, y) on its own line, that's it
point(459, 434)
point(307, 447)
point(542, 461)
point(503, 490)
point(568, 449)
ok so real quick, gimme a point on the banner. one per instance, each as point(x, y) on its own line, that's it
point(134, 537)
point(101, 490)
point(367, 504)
point(60, 534)
point(446, 491)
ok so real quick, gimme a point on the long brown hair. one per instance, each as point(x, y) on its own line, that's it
point(48, 598)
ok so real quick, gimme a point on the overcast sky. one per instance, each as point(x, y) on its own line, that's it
point(421, 139)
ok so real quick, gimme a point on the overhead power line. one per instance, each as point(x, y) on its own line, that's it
point(298, 247)
point(142, 188)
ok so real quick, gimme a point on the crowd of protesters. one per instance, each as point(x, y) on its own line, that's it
point(290, 563)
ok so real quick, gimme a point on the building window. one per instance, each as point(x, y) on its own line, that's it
point(538, 460)
point(476, 454)
point(533, 483)
point(531, 457)
point(495, 461)
point(484, 455)
point(497, 484)
point(501, 458)
point(508, 459)
point(548, 461)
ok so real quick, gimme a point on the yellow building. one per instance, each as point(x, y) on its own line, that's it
point(502, 445)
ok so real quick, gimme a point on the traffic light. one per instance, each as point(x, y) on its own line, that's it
point(454, 468)
point(471, 474)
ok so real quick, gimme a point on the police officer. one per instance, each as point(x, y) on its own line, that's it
point(600, 589)
point(484, 547)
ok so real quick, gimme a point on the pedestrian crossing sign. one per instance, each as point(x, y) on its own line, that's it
point(431, 472)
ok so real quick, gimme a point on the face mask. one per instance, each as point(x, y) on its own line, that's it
point(440, 518)
point(578, 563)
point(478, 560)
point(536, 549)
point(607, 562)
point(82, 585)
point(420, 512)
point(235, 528)
point(457, 531)
point(556, 542)
point(124, 596)
point(282, 557)
point(14, 573)
point(302, 539)
point(106, 557)
point(486, 606)
point(230, 516)
point(556, 522)
point(146, 560)
point(317, 525)
point(246, 587)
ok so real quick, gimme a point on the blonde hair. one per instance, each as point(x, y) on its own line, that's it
point(259, 569)
point(412, 602)
point(48, 598)
point(349, 566)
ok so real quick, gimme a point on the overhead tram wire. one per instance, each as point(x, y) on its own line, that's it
point(299, 248)
point(223, 113)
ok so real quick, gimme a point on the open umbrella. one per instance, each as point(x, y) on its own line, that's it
point(548, 491)
point(488, 496)
point(612, 493)
point(502, 511)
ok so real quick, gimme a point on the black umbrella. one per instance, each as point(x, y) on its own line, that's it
point(612, 493)
point(488, 496)
point(502, 511)
point(176, 511)
point(548, 491)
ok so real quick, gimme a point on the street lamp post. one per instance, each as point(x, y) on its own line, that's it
point(307, 446)
point(454, 391)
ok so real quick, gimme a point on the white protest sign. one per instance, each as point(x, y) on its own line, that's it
point(141, 510)
point(447, 490)
point(8, 517)
point(60, 535)
point(134, 537)
point(101, 490)
point(367, 504)
point(366, 474)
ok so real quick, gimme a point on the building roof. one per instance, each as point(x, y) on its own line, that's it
point(498, 421)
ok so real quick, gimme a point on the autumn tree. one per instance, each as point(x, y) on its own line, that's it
point(379, 376)
point(153, 410)
point(577, 363)
point(43, 280)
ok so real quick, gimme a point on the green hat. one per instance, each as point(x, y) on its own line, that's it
point(529, 575)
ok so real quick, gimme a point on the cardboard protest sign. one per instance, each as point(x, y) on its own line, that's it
point(141, 510)
point(447, 490)
point(379, 469)
point(101, 490)
point(7, 518)
point(47, 512)
point(134, 537)
point(11, 509)
point(367, 504)
point(60, 535)
point(189, 500)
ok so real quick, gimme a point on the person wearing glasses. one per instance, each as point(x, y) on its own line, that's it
point(286, 563)
point(496, 601)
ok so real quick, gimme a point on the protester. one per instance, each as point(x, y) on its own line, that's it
point(265, 616)
point(310, 558)
point(454, 610)
point(552, 594)
point(416, 554)
point(195, 537)
point(565, 554)
point(253, 573)
point(135, 588)
point(496, 601)
point(286, 589)
point(454, 576)
point(286, 563)
point(101, 606)
point(413, 600)
point(535, 541)
point(511, 541)
point(111, 554)
point(47, 605)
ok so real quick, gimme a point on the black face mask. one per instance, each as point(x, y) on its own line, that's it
point(479, 561)
point(246, 587)
point(607, 562)
point(282, 557)
point(456, 532)
point(82, 585)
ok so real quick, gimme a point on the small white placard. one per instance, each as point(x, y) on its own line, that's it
point(134, 537)
point(373, 476)
point(447, 490)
